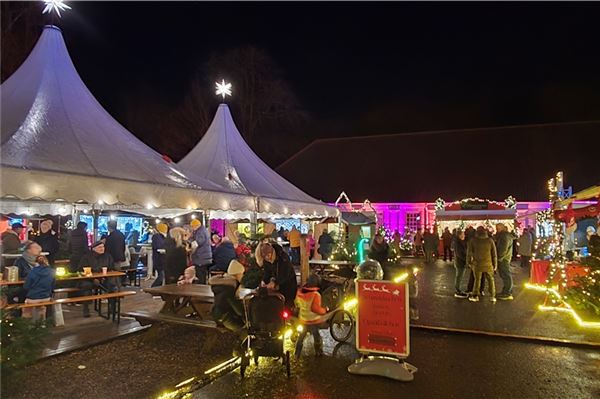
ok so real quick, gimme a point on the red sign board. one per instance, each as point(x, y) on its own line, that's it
point(382, 324)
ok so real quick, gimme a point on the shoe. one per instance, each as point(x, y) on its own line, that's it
point(493, 299)
point(505, 297)
point(474, 298)
point(461, 294)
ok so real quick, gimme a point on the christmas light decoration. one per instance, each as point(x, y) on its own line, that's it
point(223, 89)
point(55, 6)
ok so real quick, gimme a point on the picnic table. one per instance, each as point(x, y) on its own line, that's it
point(322, 266)
point(179, 299)
point(70, 278)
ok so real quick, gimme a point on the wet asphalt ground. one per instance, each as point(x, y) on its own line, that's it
point(451, 365)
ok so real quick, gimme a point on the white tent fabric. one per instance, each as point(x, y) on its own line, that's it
point(223, 157)
point(59, 143)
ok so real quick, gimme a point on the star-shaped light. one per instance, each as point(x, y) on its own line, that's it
point(223, 89)
point(55, 5)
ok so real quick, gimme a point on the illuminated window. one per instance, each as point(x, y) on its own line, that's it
point(413, 221)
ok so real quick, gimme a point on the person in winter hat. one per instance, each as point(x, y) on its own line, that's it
point(308, 302)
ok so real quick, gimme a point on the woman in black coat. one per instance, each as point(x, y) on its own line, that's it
point(176, 255)
point(279, 274)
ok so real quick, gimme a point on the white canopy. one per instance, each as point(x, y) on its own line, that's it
point(58, 143)
point(223, 157)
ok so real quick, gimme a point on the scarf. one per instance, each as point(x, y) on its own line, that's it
point(31, 259)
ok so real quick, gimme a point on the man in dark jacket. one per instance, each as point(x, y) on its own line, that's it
point(431, 242)
point(78, 245)
point(11, 241)
point(158, 258)
point(459, 246)
point(447, 240)
point(115, 246)
point(325, 245)
point(48, 240)
point(202, 252)
point(279, 274)
point(96, 259)
point(223, 254)
point(504, 244)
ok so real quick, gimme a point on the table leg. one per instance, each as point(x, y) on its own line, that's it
point(150, 265)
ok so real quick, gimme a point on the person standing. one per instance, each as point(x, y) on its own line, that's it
point(418, 243)
point(115, 246)
point(48, 240)
point(325, 245)
point(279, 274)
point(308, 301)
point(11, 241)
point(504, 243)
point(294, 238)
point(525, 249)
point(201, 250)
point(379, 249)
point(310, 244)
point(158, 256)
point(483, 259)
point(460, 263)
point(176, 255)
point(78, 245)
point(431, 243)
point(447, 240)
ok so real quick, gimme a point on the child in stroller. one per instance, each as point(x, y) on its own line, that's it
point(265, 321)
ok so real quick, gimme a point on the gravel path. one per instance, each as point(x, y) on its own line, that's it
point(136, 366)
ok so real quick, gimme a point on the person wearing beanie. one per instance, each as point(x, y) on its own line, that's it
point(227, 309)
point(202, 253)
point(97, 258)
point(308, 302)
point(158, 259)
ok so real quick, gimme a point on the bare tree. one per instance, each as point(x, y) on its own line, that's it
point(21, 26)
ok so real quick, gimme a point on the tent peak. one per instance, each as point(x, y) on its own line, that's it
point(52, 27)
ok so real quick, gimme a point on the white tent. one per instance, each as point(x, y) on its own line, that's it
point(223, 157)
point(60, 145)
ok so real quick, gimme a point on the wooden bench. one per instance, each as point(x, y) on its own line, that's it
point(145, 318)
point(115, 313)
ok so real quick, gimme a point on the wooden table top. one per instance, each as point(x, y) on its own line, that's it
point(197, 291)
point(330, 262)
point(92, 276)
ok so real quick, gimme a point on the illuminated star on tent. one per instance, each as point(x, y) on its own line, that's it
point(223, 89)
point(56, 6)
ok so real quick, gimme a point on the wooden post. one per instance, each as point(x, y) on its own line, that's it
point(304, 267)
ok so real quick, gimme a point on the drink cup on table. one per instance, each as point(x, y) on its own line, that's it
point(104, 270)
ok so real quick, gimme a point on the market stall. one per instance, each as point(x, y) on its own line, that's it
point(474, 212)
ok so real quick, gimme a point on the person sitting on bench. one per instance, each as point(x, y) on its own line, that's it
point(96, 259)
point(38, 286)
point(227, 309)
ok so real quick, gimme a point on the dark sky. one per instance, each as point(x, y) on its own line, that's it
point(358, 68)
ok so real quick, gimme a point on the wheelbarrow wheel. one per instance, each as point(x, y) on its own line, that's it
point(340, 325)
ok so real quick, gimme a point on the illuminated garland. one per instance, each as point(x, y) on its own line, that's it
point(555, 246)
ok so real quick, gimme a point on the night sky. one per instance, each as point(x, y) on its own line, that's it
point(357, 68)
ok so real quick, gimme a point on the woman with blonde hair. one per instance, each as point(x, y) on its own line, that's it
point(176, 259)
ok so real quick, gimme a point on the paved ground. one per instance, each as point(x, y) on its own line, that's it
point(438, 307)
point(450, 366)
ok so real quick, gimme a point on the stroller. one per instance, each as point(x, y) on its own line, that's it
point(266, 318)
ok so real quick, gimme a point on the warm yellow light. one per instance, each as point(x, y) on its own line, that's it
point(351, 303)
point(222, 365)
point(401, 278)
point(299, 328)
point(182, 383)
point(61, 271)
point(288, 333)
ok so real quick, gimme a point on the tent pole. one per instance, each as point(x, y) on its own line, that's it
point(254, 218)
point(95, 214)
point(304, 266)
